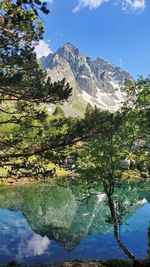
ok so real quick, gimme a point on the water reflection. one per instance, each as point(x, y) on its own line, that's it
point(36, 246)
point(48, 224)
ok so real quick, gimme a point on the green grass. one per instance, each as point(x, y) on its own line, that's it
point(109, 263)
point(79, 106)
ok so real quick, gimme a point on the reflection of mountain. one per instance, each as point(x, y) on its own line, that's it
point(56, 213)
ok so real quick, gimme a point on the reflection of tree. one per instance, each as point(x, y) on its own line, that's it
point(109, 190)
point(147, 261)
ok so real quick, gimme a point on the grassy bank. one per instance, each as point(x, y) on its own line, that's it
point(109, 263)
point(61, 173)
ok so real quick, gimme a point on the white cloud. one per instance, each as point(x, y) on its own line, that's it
point(138, 5)
point(38, 245)
point(42, 49)
point(49, 1)
point(89, 3)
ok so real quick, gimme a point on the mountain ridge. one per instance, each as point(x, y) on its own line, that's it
point(98, 81)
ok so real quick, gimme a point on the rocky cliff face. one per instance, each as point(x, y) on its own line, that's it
point(98, 81)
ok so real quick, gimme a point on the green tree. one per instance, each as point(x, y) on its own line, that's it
point(24, 91)
point(88, 109)
point(100, 163)
point(137, 110)
point(59, 112)
point(126, 134)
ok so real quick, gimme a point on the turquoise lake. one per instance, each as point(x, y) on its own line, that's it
point(51, 223)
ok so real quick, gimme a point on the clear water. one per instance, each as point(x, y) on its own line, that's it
point(48, 224)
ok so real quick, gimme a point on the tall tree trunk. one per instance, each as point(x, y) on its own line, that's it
point(136, 261)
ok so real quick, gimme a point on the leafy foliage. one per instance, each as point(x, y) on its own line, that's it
point(59, 112)
point(127, 138)
point(25, 91)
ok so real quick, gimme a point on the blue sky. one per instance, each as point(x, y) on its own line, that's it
point(116, 30)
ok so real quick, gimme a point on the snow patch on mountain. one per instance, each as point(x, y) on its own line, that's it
point(97, 82)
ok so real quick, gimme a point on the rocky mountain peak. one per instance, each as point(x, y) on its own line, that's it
point(98, 81)
point(68, 51)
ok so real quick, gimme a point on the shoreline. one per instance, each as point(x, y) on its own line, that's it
point(77, 263)
point(32, 181)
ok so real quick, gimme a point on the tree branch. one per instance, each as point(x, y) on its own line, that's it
point(52, 146)
point(10, 113)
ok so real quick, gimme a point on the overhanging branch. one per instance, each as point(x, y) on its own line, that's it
point(52, 146)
